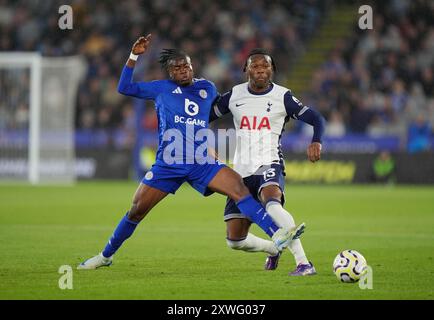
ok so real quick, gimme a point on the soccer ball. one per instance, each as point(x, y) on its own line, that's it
point(349, 266)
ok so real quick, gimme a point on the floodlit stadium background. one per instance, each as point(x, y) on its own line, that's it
point(374, 87)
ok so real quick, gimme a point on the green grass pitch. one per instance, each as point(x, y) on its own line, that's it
point(179, 250)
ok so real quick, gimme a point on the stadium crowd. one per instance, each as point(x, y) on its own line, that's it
point(217, 34)
point(378, 82)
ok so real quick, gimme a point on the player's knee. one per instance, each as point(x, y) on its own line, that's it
point(133, 216)
point(271, 193)
point(236, 244)
point(136, 213)
point(240, 191)
point(281, 217)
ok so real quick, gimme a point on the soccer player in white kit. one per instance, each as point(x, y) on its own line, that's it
point(260, 110)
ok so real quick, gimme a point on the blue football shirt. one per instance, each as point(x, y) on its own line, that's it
point(182, 112)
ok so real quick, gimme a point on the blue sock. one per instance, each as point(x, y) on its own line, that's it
point(123, 231)
point(253, 209)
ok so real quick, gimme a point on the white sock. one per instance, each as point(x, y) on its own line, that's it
point(284, 219)
point(253, 243)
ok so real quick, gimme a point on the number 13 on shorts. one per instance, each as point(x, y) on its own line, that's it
point(269, 173)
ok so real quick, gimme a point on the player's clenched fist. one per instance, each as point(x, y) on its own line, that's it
point(141, 45)
point(314, 151)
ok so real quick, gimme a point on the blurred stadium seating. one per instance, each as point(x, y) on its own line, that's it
point(369, 84)
point(380, 82)
point(218, 35)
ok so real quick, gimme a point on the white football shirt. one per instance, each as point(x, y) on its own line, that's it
point(259, 120)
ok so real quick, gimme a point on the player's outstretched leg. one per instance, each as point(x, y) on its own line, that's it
point(95, 262)
point(144, 200)
point(284, 218)
point(304, 269)
point(271, 196)
point(272, 260)
point(239, 238)
point(230, 183)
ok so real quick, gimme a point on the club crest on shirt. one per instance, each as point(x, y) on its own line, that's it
point(149, 175)
point(203, 94)
point(269, 104)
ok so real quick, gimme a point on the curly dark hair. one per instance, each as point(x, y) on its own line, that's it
point(168, 55)
point(259, 51)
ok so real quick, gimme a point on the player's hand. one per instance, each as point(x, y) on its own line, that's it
point(314, 151)
point(141, 45)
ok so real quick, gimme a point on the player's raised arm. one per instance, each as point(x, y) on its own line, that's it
point(139, 47)
point(126, 86)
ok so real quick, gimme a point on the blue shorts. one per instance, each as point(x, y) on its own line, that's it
point(273, 174)
point(168, 178)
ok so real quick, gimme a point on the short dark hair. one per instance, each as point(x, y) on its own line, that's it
point(168, 55)
point(259, 51)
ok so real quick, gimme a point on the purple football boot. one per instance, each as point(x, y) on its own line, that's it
point(304, 270)
point(272, 261)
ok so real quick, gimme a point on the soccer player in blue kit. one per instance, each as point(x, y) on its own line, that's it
point(183, 104)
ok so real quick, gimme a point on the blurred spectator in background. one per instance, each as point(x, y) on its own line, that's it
point(335, 126)
point(379, 79)
point(383, 168)
point(217, 34)
point(419, 134)
point(372, 83)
